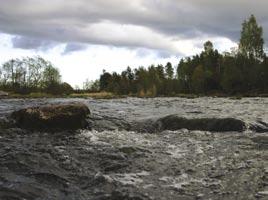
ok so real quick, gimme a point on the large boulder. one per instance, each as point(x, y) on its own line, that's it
point(174, 122)
point(59, 117)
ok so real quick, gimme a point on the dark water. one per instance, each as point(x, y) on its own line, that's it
point(112, 162)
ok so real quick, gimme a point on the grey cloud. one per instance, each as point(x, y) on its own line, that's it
point(144, 52)
point(72, 47)
point(32, 43)
point(85, 21)
point(163, 54)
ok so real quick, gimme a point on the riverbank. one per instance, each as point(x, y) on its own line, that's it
point(108, 95)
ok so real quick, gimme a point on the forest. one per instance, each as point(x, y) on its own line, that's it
point(241, 71)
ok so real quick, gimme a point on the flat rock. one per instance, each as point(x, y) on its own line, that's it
point(59, 117)
point(174, 122)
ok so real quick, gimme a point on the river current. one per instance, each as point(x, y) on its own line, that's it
point(113, 161)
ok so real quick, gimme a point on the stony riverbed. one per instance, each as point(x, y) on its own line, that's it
point(115, 161)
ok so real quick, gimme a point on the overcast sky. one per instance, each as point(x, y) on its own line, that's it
point(83, 37)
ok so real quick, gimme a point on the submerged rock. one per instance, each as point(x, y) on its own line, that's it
point(115, 164)
point(174, 122)
point(60, 117)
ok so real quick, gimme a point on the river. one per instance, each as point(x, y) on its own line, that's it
point(114, 161)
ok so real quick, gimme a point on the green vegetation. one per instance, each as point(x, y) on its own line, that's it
point(241, 72)
point(95, 95)
point(32, 77)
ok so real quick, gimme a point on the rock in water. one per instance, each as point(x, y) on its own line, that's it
point(53, 117)
point(174, 122)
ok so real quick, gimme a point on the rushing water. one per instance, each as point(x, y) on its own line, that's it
point(112, 162)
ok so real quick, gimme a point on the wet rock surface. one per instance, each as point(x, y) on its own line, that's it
point(59, 117)
point(113, 162)
point(174, 122)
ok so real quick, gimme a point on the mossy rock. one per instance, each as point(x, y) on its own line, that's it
point(56, 117)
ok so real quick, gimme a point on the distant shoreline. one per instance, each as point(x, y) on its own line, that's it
point(106, 95)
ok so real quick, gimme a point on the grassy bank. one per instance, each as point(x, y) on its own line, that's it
point(97, 95)
point(108, 95)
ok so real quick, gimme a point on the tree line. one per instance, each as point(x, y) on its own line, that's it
point(244, 70)
point(29, 75)
point(241, 71)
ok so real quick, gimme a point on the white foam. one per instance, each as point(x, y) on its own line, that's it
point(127, 178)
